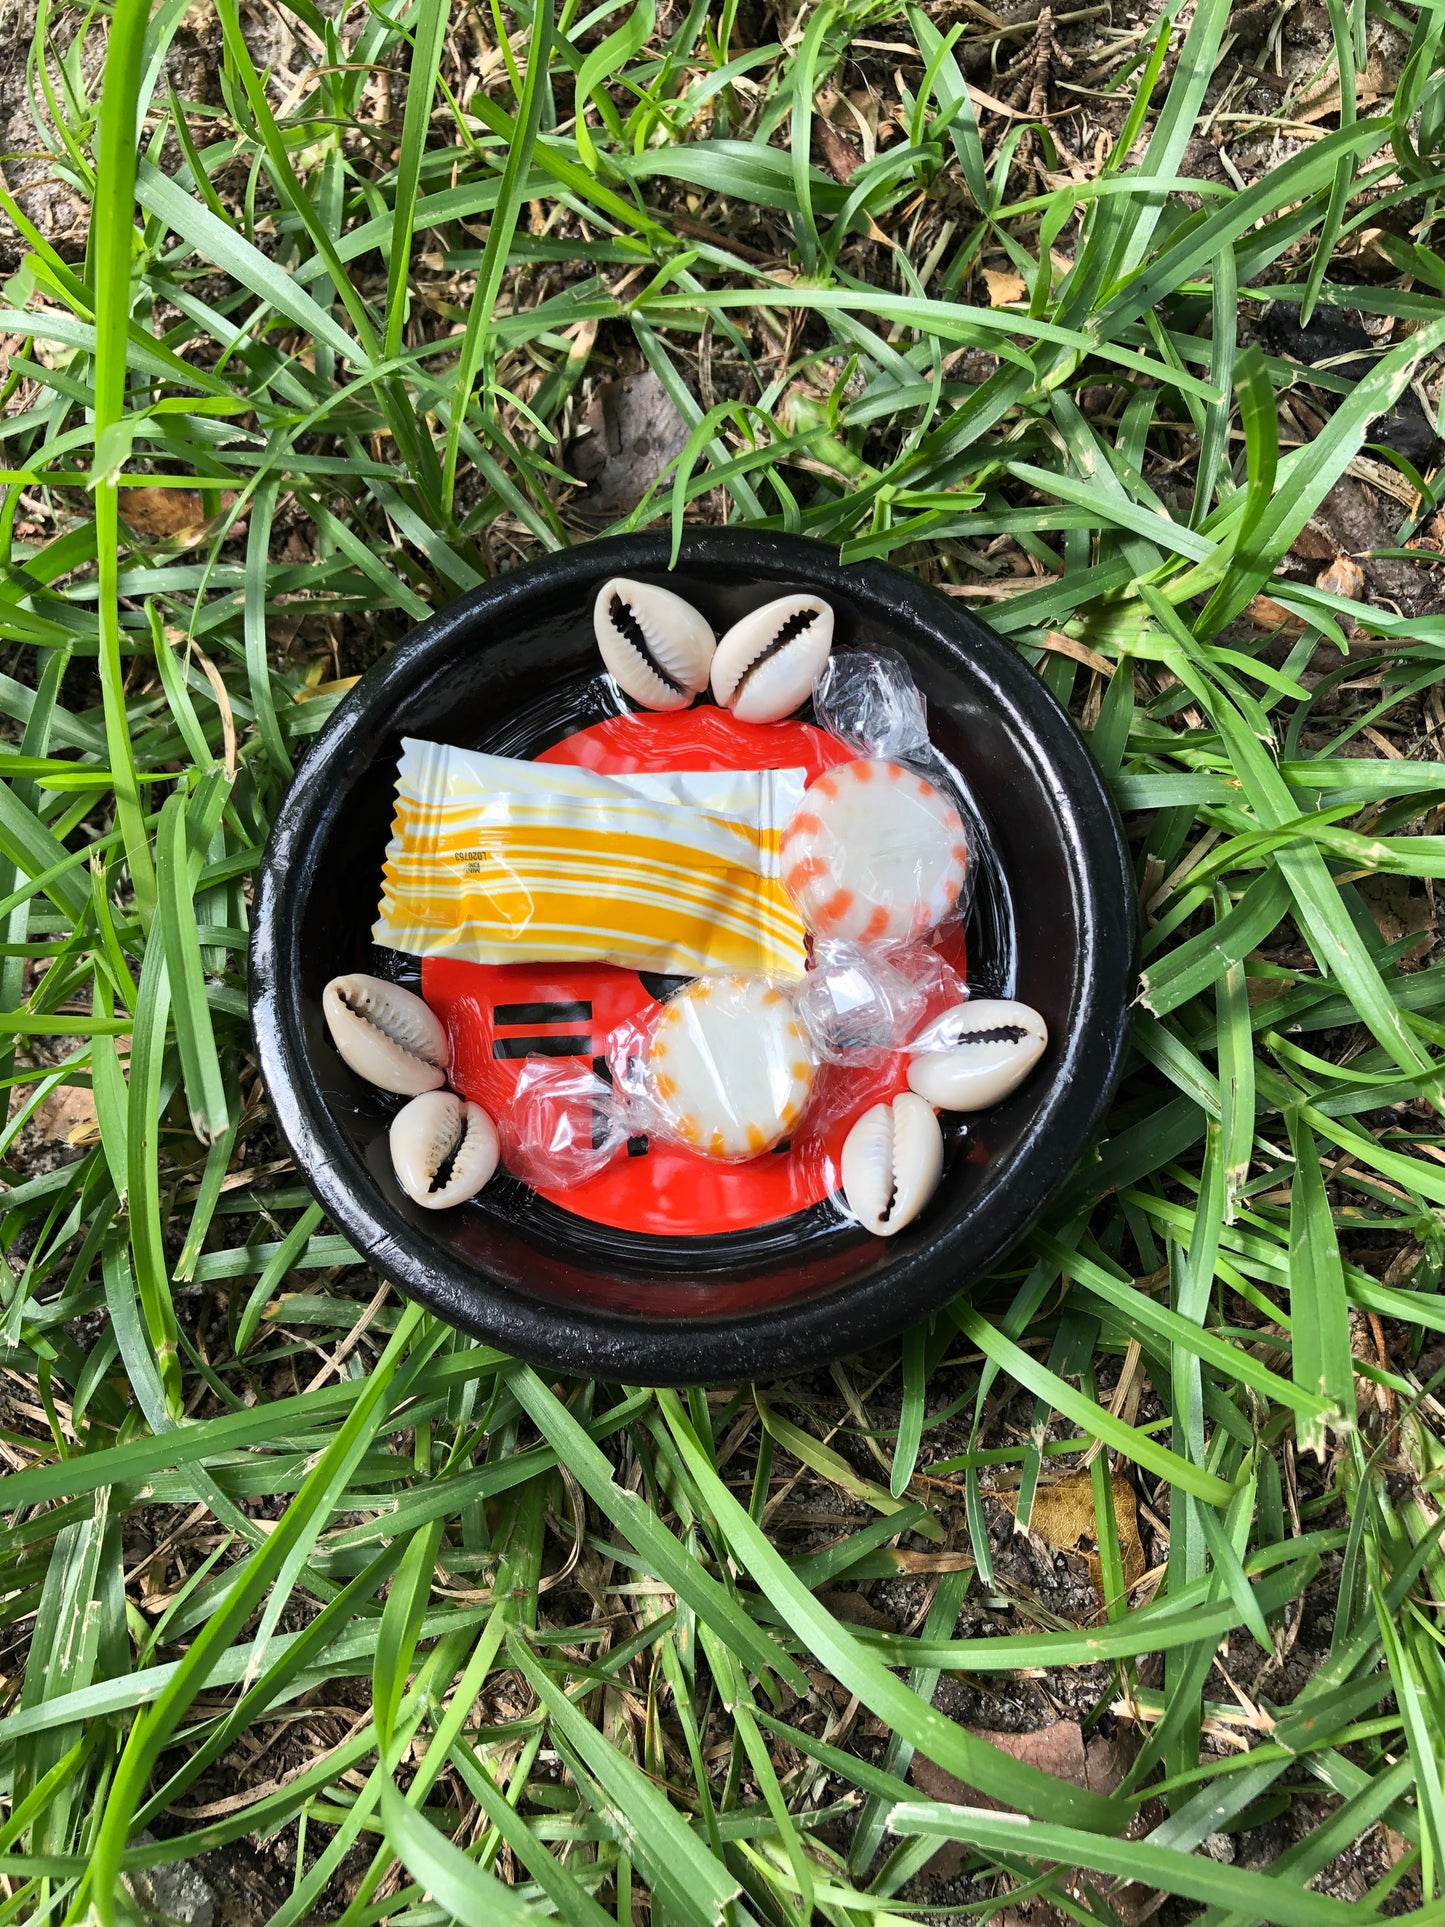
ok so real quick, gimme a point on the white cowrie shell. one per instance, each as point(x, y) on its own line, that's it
point(656, 645)
point(432, 1129)
point(387, 1035)
point(892, 1161)
point(767, 663)
point(975, 1054)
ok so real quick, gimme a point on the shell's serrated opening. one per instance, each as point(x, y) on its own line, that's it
point(890, 1165)
point(628, 624)
point(445, 1170)
point(796, 625)
point(404, 1037)
point(366, 1017)
point(999, 1034)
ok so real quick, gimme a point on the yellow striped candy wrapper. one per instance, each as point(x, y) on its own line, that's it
point(498, 861)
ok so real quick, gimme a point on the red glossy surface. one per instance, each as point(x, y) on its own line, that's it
point(668, 1190)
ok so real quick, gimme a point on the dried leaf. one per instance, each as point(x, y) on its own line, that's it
point(68, 1117)
point(1265, 613)
point(1003, 287)
point(907, 1561)
point(1344, 576)
point(1063, 1517)
point(1400, 907)
point(1058, 1749)
point(1314, 543)
point(1370, 86)
point(168, 514)
point(858, 1611)
point(338, 686)
point(1066, 646)
point(837, 153)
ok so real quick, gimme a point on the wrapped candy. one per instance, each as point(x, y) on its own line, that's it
point(878, 852)
point(870, 702)
point(725, 1067)
point(859, 1006)
point(498, 861)
point(563, 1125)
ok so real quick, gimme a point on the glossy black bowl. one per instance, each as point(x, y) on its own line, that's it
point(1053, 924)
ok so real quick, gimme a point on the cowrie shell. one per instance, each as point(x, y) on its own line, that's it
point(387, 1035)
point(767, 663)
point(657, 646)
point(437, 1132)
point(892, 1161)
point(975, 1054)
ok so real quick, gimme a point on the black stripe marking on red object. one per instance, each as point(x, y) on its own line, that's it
point(559, 1046)
point(558, 1013)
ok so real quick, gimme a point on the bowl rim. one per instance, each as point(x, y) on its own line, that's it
point(589, 1339)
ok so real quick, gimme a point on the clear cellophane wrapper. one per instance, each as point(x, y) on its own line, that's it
point(563, 1125)
point(861, 1004)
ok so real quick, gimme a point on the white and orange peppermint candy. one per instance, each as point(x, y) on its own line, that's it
point(729, 1066)
point(875, 854)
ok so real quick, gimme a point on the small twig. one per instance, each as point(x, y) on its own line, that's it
point(349, 1344)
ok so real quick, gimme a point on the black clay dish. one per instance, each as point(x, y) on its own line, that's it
point(1052, 924)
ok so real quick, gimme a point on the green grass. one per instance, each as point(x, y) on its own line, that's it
point(387, 1598)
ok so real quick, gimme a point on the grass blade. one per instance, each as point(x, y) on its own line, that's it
point(114, 242)
point(1322, 1357)
point(1195, 1876)
point(466, 1892)
point(949, 1745)
point(195, 1033)
point(499, 235)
